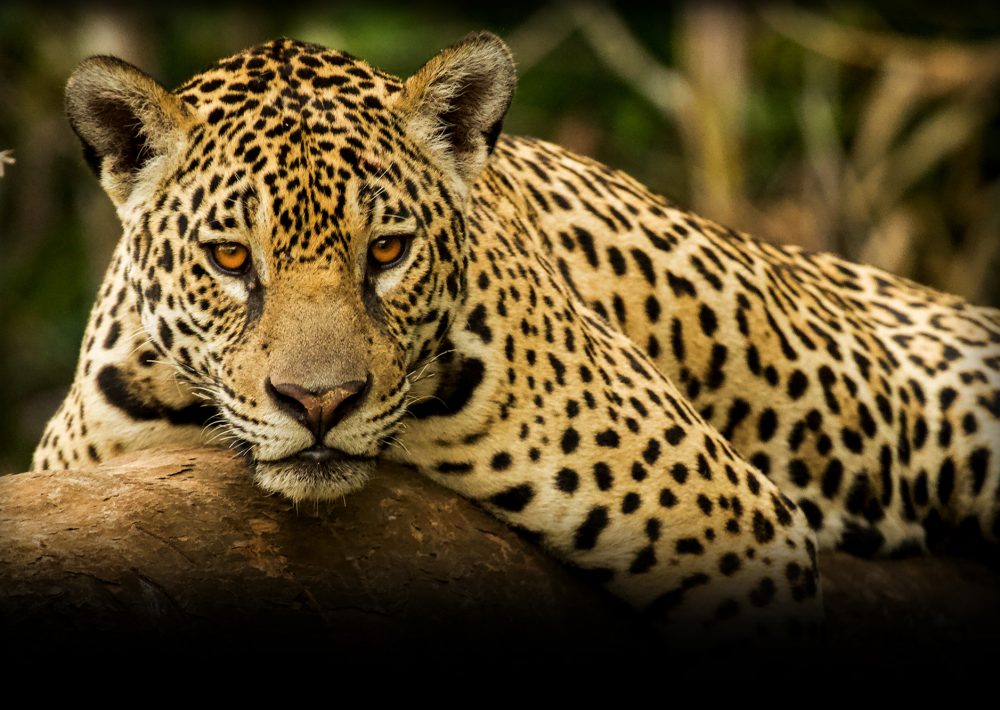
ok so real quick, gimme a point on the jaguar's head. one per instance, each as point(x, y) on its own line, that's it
point(296, 234)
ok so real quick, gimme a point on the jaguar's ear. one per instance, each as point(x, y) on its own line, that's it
point(456, 102)
point(124, 119)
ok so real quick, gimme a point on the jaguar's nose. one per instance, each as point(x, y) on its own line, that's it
point(318, 411)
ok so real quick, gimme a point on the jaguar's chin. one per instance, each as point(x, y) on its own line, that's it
point(314, 475)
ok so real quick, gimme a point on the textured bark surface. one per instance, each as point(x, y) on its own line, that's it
point(179, 548)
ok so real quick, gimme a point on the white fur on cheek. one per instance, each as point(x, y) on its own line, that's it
point(387, 280)
point(234, 287)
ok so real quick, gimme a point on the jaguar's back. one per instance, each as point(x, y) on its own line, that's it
point(872, 401)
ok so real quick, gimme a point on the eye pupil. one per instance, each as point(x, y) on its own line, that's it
point(230, 256)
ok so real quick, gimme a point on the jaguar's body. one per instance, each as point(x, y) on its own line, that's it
point(595, 366)
point(872, 401)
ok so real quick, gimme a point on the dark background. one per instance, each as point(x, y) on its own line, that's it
point(838, 126)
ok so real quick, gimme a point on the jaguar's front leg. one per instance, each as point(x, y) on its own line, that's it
point(126, 395)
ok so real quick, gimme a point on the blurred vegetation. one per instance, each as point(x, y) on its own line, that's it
point(870, 132)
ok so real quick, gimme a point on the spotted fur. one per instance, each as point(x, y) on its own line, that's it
point(872, 401)
point(667, 405)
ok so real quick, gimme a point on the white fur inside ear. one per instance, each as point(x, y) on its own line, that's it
point(457, 101)
point(137, 189)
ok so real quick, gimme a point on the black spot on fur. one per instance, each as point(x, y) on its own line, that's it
point(608, 438)
point(453, 393)
point(766, 425)
point(667, 498)
point(797, 384)
point(477, 323)
point(979, 463)
point(652, 452)
point(585, 537)
point(814, 516)
point(763, 594)
point(630, 503)
point(113, 332)
point(861, 541)
point(689, 546)
point(118, 392)
point(567, 480)
point(570, 440)
point(674, 435)
point(602, 476)
point(586, 241)
point(454, 467)
point(643, 561)
point(514, 499)
point(729, 563)
point(501, 461)
point(763, 529)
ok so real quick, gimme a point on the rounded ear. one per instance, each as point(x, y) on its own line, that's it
point(123, 118)
point(456, 102)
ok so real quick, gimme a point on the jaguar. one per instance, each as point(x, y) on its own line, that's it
point(323, 265)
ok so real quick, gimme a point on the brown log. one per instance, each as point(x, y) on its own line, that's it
point(179, 548)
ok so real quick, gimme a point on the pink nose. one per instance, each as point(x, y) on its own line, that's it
point(317, 411)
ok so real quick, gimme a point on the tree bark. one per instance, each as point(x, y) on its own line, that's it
point(178, 548)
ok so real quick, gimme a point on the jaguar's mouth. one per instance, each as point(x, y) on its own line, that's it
point(314, 474)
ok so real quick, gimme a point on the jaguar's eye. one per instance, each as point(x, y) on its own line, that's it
point(387, 251)
point(231, 257)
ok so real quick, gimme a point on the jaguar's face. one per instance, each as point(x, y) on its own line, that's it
point(307, 285)
point(298, 244)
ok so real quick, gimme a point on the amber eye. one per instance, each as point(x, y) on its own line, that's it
point(386, 251)
point(231, 257)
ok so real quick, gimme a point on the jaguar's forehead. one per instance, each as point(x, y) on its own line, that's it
point(307, 128)
point(287, 76)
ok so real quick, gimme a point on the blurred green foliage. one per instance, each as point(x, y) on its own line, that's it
point(870, 131)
